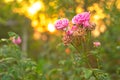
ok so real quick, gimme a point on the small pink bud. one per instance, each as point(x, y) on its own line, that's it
point(96, 44)
point(74, 28)
point(16, 40)
point(69, 32)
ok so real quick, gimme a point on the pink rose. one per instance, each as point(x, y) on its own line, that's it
point(16, 40)
point(86, 24)
point(96, 44)
point(82, 19)
point(77, 20)
point(61, 24)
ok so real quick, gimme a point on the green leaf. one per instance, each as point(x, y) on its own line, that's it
point(6, 77)
point(53, 71)
point(100, 75)
point(87, 73)
point(12, 34)
point(62, 62)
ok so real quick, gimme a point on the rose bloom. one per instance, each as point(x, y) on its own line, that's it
point(96, 44)
point(61, 24)
point(16, 40)
point(82, 19)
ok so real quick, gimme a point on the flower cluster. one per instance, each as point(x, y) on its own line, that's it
point(79, 33)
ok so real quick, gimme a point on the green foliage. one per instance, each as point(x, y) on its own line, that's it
point(100, 75)
point(14, 66)
point(12, 34)
point(87, 73)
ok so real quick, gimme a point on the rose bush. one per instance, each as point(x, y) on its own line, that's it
point(79, 36)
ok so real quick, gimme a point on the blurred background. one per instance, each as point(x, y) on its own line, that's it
point(34, 21)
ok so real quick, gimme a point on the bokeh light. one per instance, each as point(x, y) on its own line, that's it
point(51, 27)
point(41, 22)
point(7, 1)
point(35, 7)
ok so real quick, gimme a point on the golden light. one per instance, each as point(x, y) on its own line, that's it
point(79, 9)
point(96, 17)
point(118, 4)
point(35, 8)
point(19, 1)
point(102, 28)
point(99, 12)
point(52, 3)
point(34, 23)
point(7, 1)
point(36, 35)
point(51, 27)
point(96, 33)
point(39, 29)
point(42, 18)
